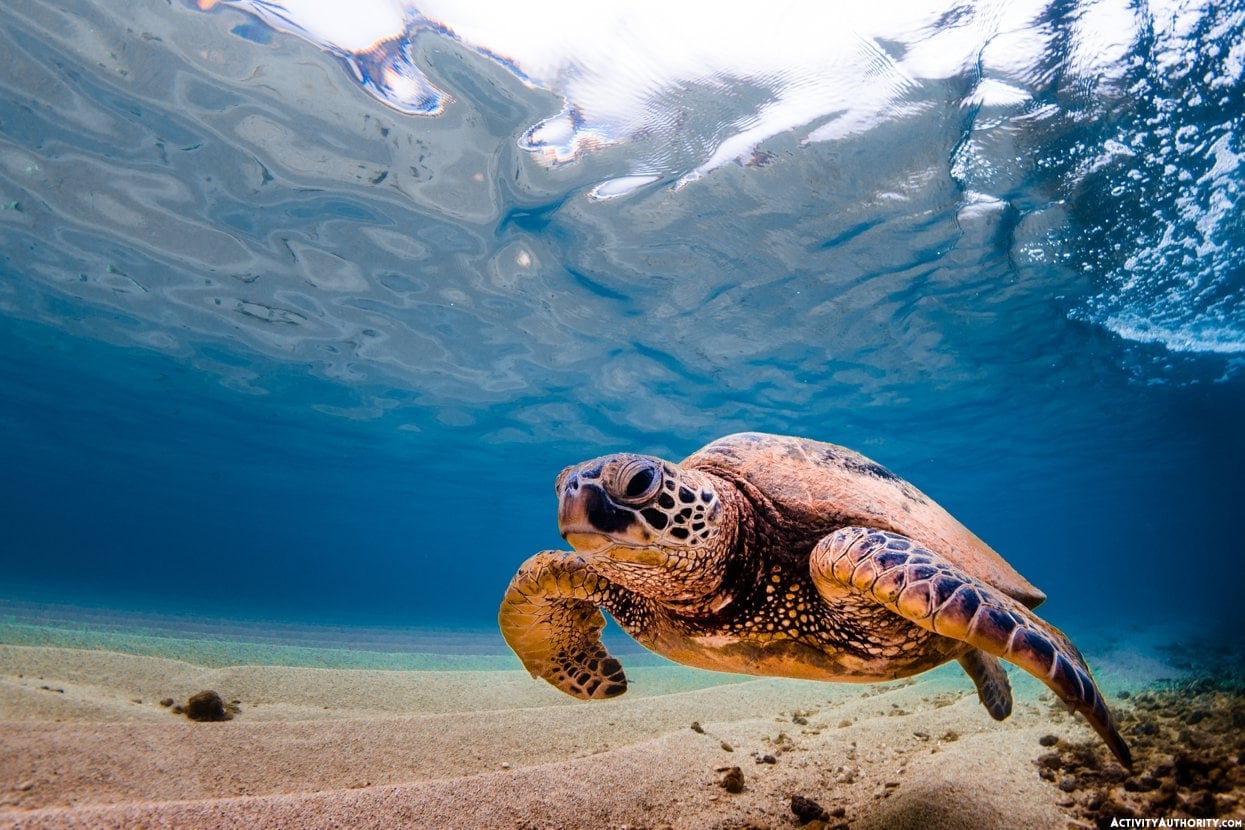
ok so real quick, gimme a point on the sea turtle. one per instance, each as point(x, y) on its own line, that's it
point(774, 555)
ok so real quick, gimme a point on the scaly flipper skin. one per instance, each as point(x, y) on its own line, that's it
point(993, 688)
point(926, 589)
point(551, 617)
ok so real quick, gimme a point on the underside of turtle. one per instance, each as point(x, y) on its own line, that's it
point(774, 555)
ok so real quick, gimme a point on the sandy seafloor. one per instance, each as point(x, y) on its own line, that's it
point(344, 728)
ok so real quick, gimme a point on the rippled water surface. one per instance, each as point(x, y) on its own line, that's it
point(301, 315)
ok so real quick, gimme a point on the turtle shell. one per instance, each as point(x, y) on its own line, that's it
point(814, 488)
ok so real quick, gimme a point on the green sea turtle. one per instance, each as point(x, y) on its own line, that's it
point(773, 555)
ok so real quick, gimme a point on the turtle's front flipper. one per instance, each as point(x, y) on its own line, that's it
point(551, 617)
point(927, 589)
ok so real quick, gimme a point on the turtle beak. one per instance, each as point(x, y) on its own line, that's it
point(587, 518)
point(580, 535)
point(573, 522)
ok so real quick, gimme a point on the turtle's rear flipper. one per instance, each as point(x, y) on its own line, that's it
point(993, 688)
point(551, 617)
point(927, 589)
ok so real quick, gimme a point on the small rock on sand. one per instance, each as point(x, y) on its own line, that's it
point(207, 706)
point(806, 810)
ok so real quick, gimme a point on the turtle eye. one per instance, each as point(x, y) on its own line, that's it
point(638, 480)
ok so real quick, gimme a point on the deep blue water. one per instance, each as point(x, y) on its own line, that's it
point(243, 373)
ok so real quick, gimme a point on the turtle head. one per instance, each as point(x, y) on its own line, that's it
point(646, 524)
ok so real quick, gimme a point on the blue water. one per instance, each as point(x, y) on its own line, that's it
point(273, 348)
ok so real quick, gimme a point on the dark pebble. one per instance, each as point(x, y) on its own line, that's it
point(1050, 760)
point(1125, 695)
point(1048, 740)
point(1113, 774)
point(696, 727)
point(206, 706)
point(806, 810)
point(733, 780)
